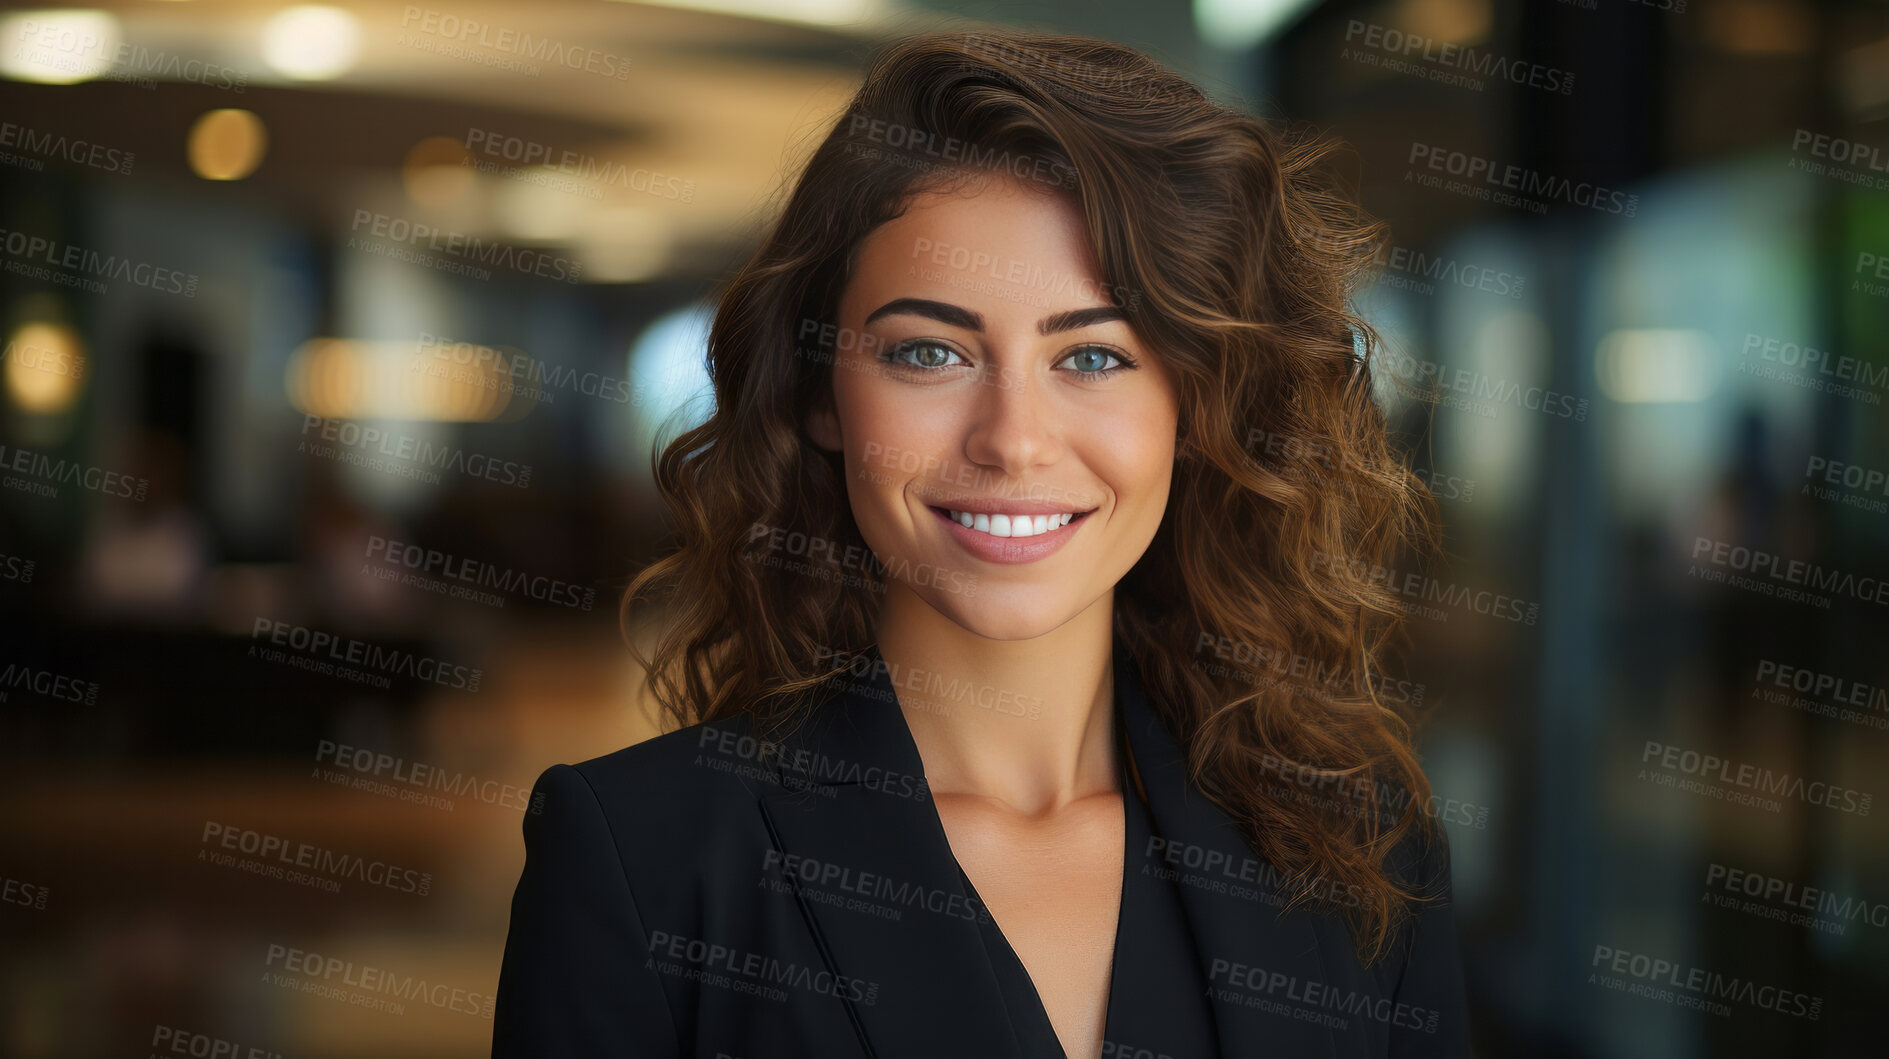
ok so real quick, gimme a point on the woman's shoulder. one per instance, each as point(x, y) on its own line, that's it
point(1420, 865)
point(1420, 861)
point(697, 765)
point(666, 807)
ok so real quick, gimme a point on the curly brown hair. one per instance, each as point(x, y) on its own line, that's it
point(1240, 250)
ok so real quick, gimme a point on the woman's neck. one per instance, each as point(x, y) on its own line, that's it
point(1029, 723)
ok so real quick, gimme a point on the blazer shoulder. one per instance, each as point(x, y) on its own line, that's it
point(1420, 862)
point(667, 809)
point(696, 764)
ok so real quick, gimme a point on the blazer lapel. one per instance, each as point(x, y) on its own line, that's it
point(855, 825)
point(1241, 941)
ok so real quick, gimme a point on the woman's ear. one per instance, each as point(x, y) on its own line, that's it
point(823, 422)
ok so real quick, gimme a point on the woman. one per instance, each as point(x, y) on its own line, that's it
point(1032, 701)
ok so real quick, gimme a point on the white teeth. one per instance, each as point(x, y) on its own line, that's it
point(1009, 525)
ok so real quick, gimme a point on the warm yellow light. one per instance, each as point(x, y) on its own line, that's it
point(541, 211)
point(437, 171)
point(426, 379)
point(810, 12)
point(58, 47)
point(45, 367)
point(624, 244)
point(227, 144)
point(312, 42)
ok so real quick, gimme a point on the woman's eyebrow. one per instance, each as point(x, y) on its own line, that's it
point(958, 316)
point(942, 312)
point(1077, 318)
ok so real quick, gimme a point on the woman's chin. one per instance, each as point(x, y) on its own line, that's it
point(995, 617)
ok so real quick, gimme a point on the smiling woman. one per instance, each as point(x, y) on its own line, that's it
point(953, 774)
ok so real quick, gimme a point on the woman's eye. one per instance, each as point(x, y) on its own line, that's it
point(922, 354)
point(1093, 360)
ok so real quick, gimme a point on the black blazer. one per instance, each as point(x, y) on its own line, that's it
point(707, 894)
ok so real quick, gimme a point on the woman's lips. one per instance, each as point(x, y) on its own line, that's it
point(994, 549)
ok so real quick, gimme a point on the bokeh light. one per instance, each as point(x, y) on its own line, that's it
point(227, 144)
point(58, 47)
point(312, 42)
point(45, 367)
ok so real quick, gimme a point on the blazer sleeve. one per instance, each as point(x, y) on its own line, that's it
point(575, 980)
point(1431, 1018)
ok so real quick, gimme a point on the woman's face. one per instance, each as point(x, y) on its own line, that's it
point(983, 368)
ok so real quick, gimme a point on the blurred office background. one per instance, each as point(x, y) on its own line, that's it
point(265, 268)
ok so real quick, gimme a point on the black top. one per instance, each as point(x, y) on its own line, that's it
point(708, 894)
point(1156, 993)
